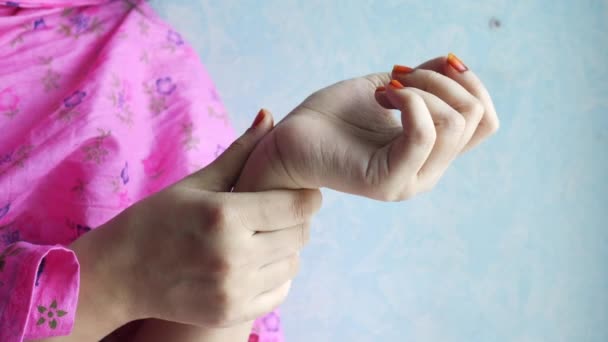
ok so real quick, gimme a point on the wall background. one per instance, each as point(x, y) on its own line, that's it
point(513, 243)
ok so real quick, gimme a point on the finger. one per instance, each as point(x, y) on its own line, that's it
point(408, 152)
point(223, 172)
point(274, 209)
point(449, 128)
point(455, 69)
point(271, 246)
point(277, 273)
point(268, 301)
point(449, 92)
point(382, 99)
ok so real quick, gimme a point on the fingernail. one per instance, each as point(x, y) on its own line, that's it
point(456, 63)
point(396, 84)
point(401, 69)
point(381, 88)
point(258, 118)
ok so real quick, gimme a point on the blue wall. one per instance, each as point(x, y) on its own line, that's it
point(512, 245)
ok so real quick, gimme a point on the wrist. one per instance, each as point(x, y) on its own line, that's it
point(104, 303)
point(265, 169)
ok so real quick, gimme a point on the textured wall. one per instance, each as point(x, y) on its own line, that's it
point(513, 243)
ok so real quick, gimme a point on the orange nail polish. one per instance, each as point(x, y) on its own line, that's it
point(397, 84)
point(381, 88)
point(258, 118)
point(401, 69)
point(456, 63)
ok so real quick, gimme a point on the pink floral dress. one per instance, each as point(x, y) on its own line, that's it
point(101, 105)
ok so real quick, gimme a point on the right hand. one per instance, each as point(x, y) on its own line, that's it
point(345, 137)
point(196, 253)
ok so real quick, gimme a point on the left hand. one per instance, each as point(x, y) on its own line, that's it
point(344, 136)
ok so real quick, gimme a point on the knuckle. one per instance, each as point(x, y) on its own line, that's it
point(454, 122)
point(488, 127)
point(226, 301)
point(222, 299)
point(220, 267)
point(492, 126)
point(431, 77)
point(218, 215)
point(409, 96)
point(476, 109)
point(226, 316)
point(422, 136)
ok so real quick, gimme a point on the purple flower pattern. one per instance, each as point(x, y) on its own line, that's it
point(175, 37)
point(75, 99)
point(272, 322)
point(165, 86)
point(4, 210)
point(39, 24)
point(11, 237)
point(80, 23)
point(124, 174)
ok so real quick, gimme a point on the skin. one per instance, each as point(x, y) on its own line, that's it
point(194, 253)
point(344, 137)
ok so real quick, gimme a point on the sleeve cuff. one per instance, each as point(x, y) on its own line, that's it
point(38, 291)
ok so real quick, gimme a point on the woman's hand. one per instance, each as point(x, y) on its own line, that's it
point(345, 137)
point(191, 253)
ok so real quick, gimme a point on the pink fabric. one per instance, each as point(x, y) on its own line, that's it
point(100, 106)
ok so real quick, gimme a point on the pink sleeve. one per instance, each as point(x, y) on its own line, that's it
point(38, 291)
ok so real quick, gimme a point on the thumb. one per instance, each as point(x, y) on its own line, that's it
point(224, 171)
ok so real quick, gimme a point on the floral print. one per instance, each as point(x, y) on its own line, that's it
point(174, 37)
point(219, 149)
point(4, 210)
point(124, 174)
point(190, 141)
point(50, 80)
point(121, 97)
point(50, 314)
point(9, 102)
point(10, 237)
point(79, 24)
point(174, 41)
point(165, 86)
point(39, 24)
point(96, 151)
point(75, 99)
point(271, 322)
point(69, 110)
point(17, 159)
